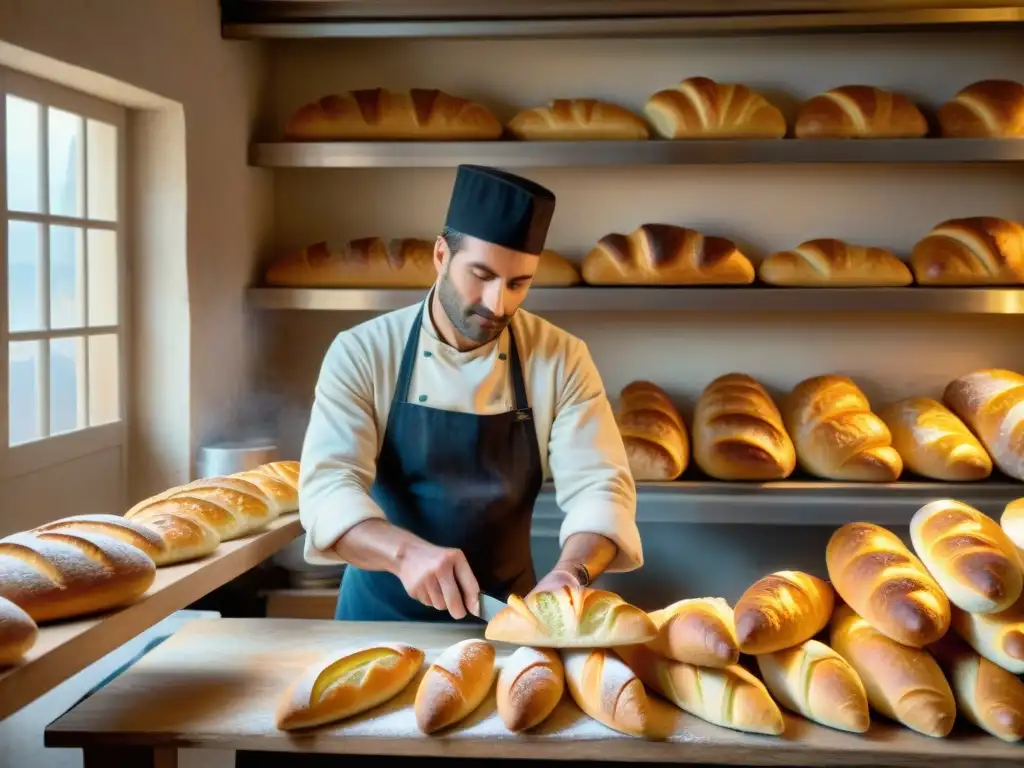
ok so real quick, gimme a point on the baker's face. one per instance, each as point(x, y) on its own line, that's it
point(482, 286)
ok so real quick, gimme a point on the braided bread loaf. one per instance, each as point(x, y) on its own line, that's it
point(836, 435)
point(700, 108)
point(879, 578)
point(985, 109)
point(738, 432)
point(991, 404)
point(981, 250)
point(653, 432)
point(663, 254)
point(578, 120)
point(860, 112)
point(829, 262)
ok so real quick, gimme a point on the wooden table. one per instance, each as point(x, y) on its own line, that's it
point(215, 684)
point(65, 648)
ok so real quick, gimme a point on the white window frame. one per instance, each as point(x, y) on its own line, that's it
point(51, 450)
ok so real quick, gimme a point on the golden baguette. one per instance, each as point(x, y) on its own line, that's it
point(454, 685)
point(782, 610)
point(530, 685)
point(698, 631)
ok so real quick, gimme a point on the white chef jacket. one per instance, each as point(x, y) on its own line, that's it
point(580, 445)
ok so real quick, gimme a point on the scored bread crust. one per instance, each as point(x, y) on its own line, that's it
point(530, 685)
point(18, 633)
point(782, 610)
point(454, 685)
point(696, 631)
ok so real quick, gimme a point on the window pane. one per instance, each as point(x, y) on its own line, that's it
point(102, 280)
point(104, 380)
point(65, 138)
point(67, 272)
point(24, 276)
point(23, 371)
point(101, 170)
point(24, 156)
point(67, 377)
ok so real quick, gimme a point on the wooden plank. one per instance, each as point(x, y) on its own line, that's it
point(65, 648)
point(217, 684)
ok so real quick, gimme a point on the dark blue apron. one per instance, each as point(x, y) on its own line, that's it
point(458, 480)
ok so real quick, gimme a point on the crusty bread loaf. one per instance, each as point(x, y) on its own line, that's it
point(663, 254)
point(18, 633)
point(570, 618)
point(530, 685)
point(985, 109)
point(738, 432)
point(369, 262)
point(837, 436)
point(377, 114)
point(999, 637)
point(904, 684)
point(782, 610)
point(813, 680)
point(1012, 522)
point(248, 508)
point(979, 250)
point(226, 523)
point(454, 685)
point(339, 687)
point(138, 535)
point(287, 470)
point(698, 631)
point(607, 690)
point(62, 574)
point(860, 112)
point(875, 574)
point(555, 271)
point(827, 262)
point(987, 695)
point(700, 108)
point(970, 556)
point(730, 697)
point(578, 120)
point(933, 442)
point(187, 538)
point(991, 404)
point(282, 495)
point(653, 432)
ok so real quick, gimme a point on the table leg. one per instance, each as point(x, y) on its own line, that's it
point(130, 757)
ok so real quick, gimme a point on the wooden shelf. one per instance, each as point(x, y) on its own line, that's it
point(65, 648)
point(752, 298)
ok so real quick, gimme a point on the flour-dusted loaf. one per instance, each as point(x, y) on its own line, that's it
point(985, 109)
point(738, 432)
point(933, 442)
point(782, 610)
point(62, 574)
point(607, 690)
point(653, 433)
point(730, 697)
point(878, 577)
point(697, 631)
point(700, 108)
point(1012, 522)
point(979, 250)
point(138, 535)
point(578, 120)
point(860, 112)
point(18, 633)
point(530, 685)
point(987, 695)
point(999, 637)
point(379, 114)
point(454, 685)
point(836, 434)
point(904, 684)
point(664, 254)
point(341, 686)
point(991, 404)
point(813, 680)
point(828, 262)
point(970, 556)
point(570, 618)
point(368, 262)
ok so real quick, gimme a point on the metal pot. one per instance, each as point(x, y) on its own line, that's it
point(230, 457)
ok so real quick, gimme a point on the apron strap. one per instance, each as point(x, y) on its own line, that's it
point(518, 385)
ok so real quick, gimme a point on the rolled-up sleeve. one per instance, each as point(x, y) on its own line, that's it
point(339, 454)
point(593, 484)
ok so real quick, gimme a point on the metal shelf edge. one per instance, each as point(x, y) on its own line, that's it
point(753, 298)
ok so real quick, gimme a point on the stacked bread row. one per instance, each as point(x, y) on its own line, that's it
point(86, 564)
point(827, 426)
point(981, 250)
point(697, 108)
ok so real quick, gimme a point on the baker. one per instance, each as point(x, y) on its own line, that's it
point(434, 426)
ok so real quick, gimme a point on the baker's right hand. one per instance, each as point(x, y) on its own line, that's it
point(440, 577)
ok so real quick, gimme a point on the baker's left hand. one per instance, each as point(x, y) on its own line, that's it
point(559, 576)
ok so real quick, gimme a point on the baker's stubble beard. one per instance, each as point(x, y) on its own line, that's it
point(459, 314)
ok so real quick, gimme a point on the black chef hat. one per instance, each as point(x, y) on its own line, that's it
point(501, 208)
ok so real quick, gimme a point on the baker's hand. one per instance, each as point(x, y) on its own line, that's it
point(556, 578)
point(440, 577)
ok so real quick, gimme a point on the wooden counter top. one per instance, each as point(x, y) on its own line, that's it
point(65, 648)
point(216, 684)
